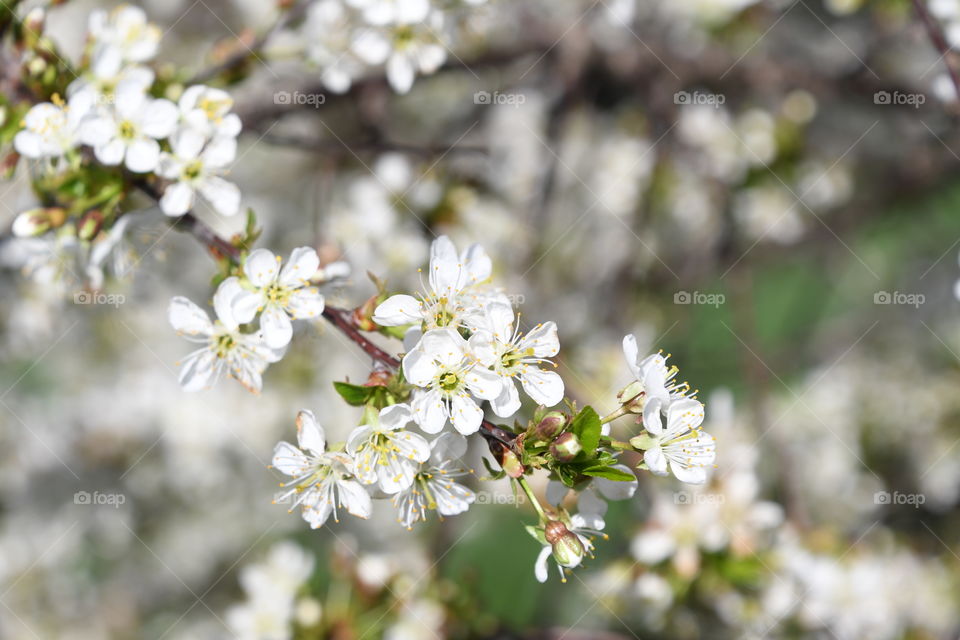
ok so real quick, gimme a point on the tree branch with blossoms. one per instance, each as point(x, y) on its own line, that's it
point(123, 126)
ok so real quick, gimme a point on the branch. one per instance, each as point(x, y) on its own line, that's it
point(939, 41)
point(335, 147)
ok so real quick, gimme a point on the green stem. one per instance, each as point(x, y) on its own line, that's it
point(622, 411)
point(531, 497)
point(619, 445)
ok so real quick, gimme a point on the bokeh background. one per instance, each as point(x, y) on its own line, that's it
point(766, 190)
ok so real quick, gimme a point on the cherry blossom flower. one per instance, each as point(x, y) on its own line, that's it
point(125, 32)
point(434, 487)
point(50, 129)
point(384, 453)
point(128, 130)
point(280, 295)
point(499, 344)
point(322, 480)
point(452, 294)
point(682, 446)
point(451, 380)
point(243, 356)
point(206, 110)
point(195, 167)
point(655, 376)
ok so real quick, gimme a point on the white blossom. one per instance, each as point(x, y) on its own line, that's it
point(655, 376)
point(50, 129)
point(386, 454)
point(195, 166)
point(280, 295)
point(206, 110)
point(451, 379)
point(498, 343)
point(682, 445)
point(434, 487)
point(322, 480)
point(243, 356)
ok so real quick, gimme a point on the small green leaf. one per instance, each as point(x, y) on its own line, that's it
point(587, 428)
point(610, 473)
point(355, 395)
point(495, 474)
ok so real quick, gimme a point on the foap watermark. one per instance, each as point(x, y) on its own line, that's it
point(497, 97)
point(899, 297)
point(97, 297)
point(699, 97)
point(494, 497)
point(699, 297)
point(690, 497)
point(912, 499)
point(300, 98)
point(97, 498)
point(899, 98)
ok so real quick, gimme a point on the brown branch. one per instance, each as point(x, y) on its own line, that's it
point(335, 147)
point(939, 41)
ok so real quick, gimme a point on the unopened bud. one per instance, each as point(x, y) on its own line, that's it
point(511, 464)
point(632, 397)
point(550, 425)
point(363, 315)
point(567, 548)
point(378, 378)
point(38, 221)
point(566, 447)
point(90, 225)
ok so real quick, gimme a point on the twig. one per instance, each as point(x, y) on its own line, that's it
point(939, 41)
point(376, 146)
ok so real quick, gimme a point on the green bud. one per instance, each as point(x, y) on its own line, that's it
point(90, 225)
point(567, 549)
point(566, 447)
point(550, 426)
point(511, 464)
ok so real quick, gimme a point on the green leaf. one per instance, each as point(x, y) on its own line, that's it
point(610, 473)
point(495, 474)
point(354, 394)
point(586, 426)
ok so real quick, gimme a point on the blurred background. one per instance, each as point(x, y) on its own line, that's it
point(765, 189)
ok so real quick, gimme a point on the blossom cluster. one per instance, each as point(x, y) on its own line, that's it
point(346, 38)
point(111, 108)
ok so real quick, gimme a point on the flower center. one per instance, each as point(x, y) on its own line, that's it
point(223, 344)
point(449, 381)
point(278, 294)
point(127, 130)
point(192, 171)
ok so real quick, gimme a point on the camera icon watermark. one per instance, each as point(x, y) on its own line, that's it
point(99, 298)
point(85, 498)
point(698, 297)
point(899, 98)
point(510, 99)
point(899, 298)
point(897, 498)
point(685, 98)
point(690, 497)
point(492, 497)
point(299, 98)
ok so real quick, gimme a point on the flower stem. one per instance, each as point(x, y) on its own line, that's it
point(522, 481)
point(622, 411)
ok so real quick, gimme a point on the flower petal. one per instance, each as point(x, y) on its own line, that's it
point(261, 267)
point(397, 311)
point(310, 435)
point(545, 387)
point(300, 267)
point(276, 327)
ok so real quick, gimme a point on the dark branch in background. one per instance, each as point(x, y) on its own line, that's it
point(935, 33)
point(335, 147)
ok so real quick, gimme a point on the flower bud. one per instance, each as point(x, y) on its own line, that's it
point(567, 548)
point(38, 221)
point(549, 426)
point(632, 397)
point(363, 315)
point(566, 447)
point(90, 225)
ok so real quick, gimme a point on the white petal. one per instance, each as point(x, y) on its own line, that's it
point(261, 267)
point(556, 492)
point(656, 461)
point(199, 370)
point(305, 303)
point(143, 155)
point(690, 475)
point(445, 267)
point(478, 264)
point(615, 489)
point(245, 304)
point(223, 195)
point(540, 567)
point(419, 367)
point(159, 118)
point(110, 153)
point(220, 152)
point(289, 460)
point(228, 290)
point(188, 318)
point(301, 266)
point(483, 383)
point(429, 411)
point(355, 498)
point(508, 402)
point(396, 416)
point(448, 447)
point(276, 327)
point(310, 434)
point(177, 199)
point(543, 340)
point(651, 416)
point(632, 353)
point(397, 311)
point(465, 415)
point(545, 387)
point(400, 73)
